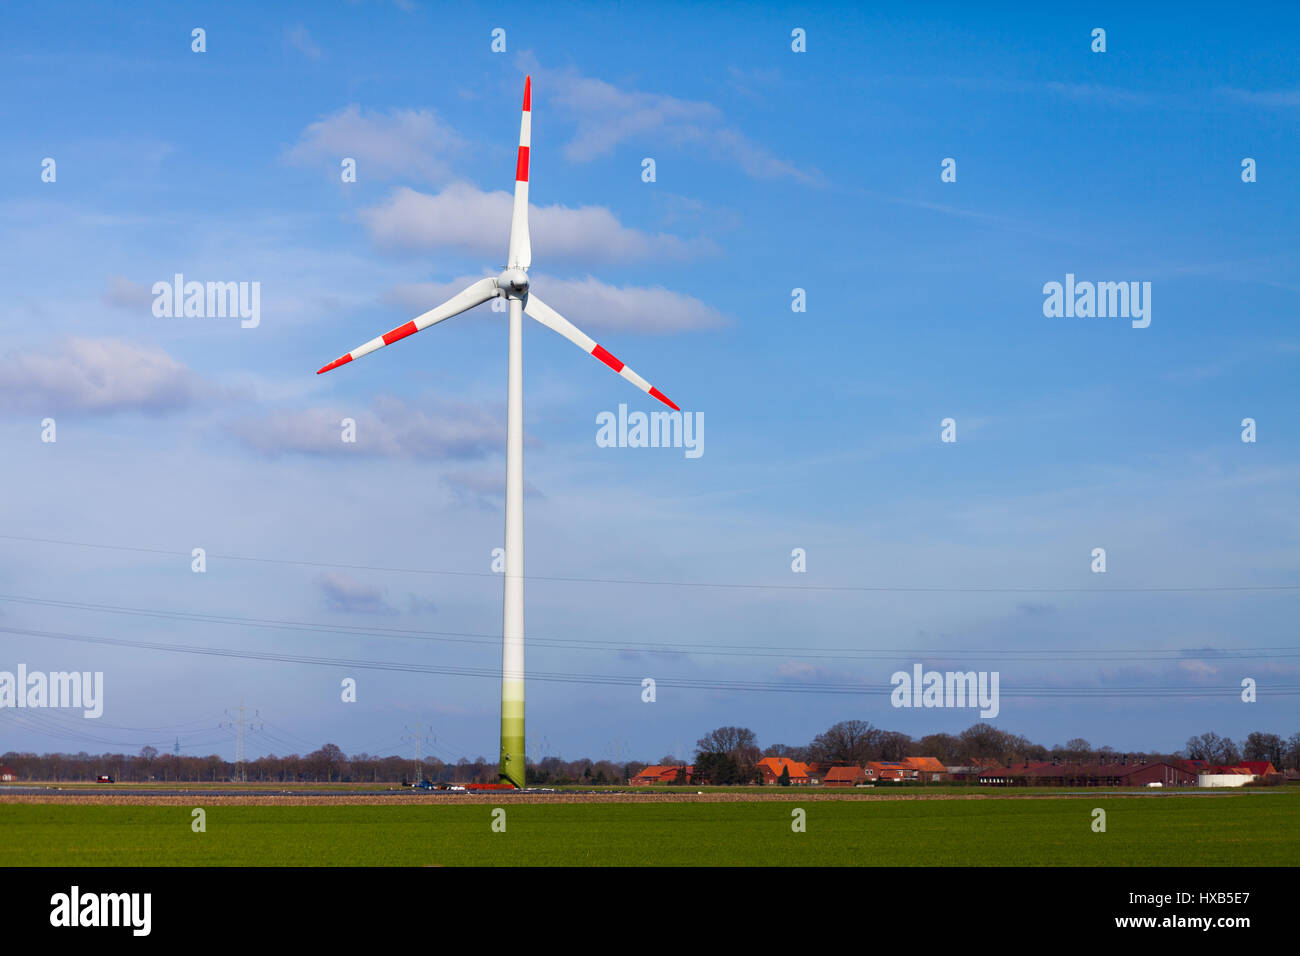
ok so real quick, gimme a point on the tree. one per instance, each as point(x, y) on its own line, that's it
point(719, 769)
point(894, 745)
point(784, 779)
point(800, 754)
point(726, 740)
point(985, 740)
point(1077, 750)
point(850, 741)
point(1213, 748)
point(739, 747)
point(942, 746)
point(1261, 746)
point(325, 762)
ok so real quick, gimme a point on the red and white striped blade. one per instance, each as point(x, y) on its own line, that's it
point(544, 314)
point(476, 294)
point(521, 250)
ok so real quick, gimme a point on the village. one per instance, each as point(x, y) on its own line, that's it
point(783, 771)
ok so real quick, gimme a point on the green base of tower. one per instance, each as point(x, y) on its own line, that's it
point(513, 762)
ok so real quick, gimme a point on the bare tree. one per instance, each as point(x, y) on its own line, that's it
point(1261, 746)
point(727, 740)
point(1213, 748)
point(850, 741)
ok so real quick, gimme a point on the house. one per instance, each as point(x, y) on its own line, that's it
point(893, 771)
point(663, 774)
point(1260, 768)
point(927, 768)
point(772, 767)
point(7, 774)
point(845, 776)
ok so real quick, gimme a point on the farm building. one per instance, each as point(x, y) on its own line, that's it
point(927, 768)
point(665, 774)
point(816, 771)
point(893, 771)
point(1236, 776)
point(773, 766)
point(845, 776)
point(1048, 774)
point(1260, 768)
point(7, 774)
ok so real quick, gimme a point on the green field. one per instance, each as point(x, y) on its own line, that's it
point(1236, 830)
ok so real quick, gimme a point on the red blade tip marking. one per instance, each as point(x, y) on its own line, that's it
point(600, 353)
point(664, 398)
point(528, 90)
point(521, 167)
point(336, 363)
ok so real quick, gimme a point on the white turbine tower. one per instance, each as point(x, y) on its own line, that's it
point(513, 285)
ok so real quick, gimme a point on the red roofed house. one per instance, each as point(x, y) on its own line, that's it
point(927, 768)
point(7, 774)
point(845, 776)
point(773, 766)
point(660, 774)
point(892, 770)
point(1260, 768)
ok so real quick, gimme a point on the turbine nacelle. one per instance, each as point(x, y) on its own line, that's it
point(513, 283)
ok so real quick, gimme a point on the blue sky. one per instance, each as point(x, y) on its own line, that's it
point(775, 170)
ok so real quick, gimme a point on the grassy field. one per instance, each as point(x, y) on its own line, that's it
point(1240, 829)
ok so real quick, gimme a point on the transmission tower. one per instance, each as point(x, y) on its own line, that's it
point(419, 740)
point(239, 722)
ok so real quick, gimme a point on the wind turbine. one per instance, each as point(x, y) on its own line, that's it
point(512, 284)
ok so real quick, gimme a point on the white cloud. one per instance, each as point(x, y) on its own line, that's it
point(392, 428)
point(465, 217)
point(98, 375)
point(607, 116)
point(301, 40)
point(401, 142)
point(588, 303)
point(124, 293)
point(345, 594)
point(483, 488)
point(1268, 98)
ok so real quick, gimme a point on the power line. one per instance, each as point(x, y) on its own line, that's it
point(804, 687)
point(686, 584)
point(682, 648)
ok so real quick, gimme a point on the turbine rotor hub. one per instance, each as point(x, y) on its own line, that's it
point(513, 283)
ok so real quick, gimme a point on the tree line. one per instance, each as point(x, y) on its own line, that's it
point(725, 755)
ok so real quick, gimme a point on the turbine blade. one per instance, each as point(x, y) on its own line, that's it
point(476, 294)
point(544, 314)
point(521, 250)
